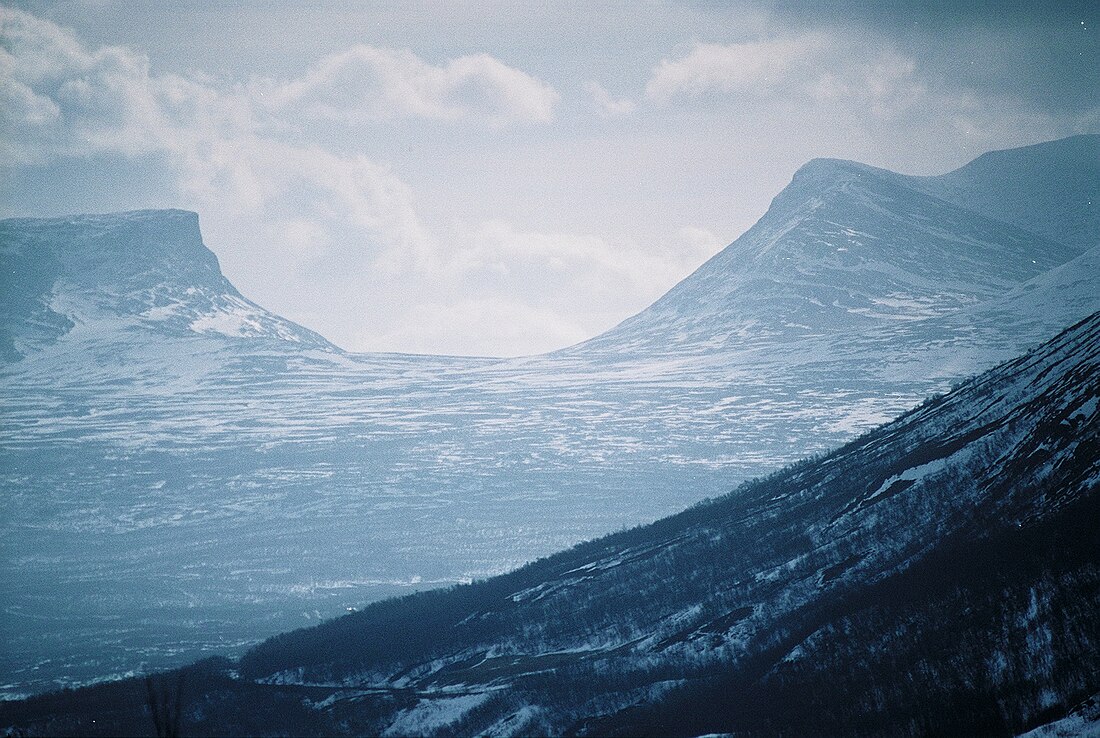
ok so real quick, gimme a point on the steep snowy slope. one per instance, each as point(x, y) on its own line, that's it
point(183, 473)
point(850, 248)
point(936, 576)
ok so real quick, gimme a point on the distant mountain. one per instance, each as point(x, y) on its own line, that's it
point(851, 248)
point(184, 473)
point(144, 270)
point(1051, 189)
point(938, 575)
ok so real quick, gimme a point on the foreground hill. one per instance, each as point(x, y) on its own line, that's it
point(939, 575)
point(185, 473)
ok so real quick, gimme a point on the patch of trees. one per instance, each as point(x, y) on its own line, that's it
point(990, 635)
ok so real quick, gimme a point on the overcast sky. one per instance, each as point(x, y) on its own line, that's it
point(503, 178)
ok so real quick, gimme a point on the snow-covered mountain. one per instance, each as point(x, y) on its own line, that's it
point(183, 472)
point(100, 275)
point(938, 575)
point(851, 248)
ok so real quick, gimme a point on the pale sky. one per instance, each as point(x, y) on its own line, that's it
point(503, 178)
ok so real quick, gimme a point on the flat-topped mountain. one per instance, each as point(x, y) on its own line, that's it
point(147, 269)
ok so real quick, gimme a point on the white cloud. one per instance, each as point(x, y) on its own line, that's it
point(810, 68)
point(365, 83)
point(757, 66)
point(608, 105)
point(61, 99)
point(551, 270)
point(507, 290)
point(696, 245)
point(886, 83)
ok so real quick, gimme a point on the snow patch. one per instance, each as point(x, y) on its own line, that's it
point(431, 714)
point(236, 323)
point(516, 724)
point(1082, 721)
point(1086, 410)
point(918, 473)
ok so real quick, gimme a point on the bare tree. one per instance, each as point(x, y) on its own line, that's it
point(165, 705)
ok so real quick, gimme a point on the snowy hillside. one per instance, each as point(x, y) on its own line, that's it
point(810, 602)
point(184, 473)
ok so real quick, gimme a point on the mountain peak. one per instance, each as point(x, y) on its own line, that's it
point(847, 246)
point(818, 177)
point(827, 166)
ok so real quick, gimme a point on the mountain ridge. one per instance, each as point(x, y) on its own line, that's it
point(809, 265)
point(1062, 177)
point(1016, 194)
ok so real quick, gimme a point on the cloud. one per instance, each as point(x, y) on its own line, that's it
point(529, 282)
point(695, 245)
point(886, 83)
point(61, 99)
point(756, 66)
point(365, 83)
point(607, 105)
point(809, 69)
point(552, 269)
point(510, 291)
point(1039, 53)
